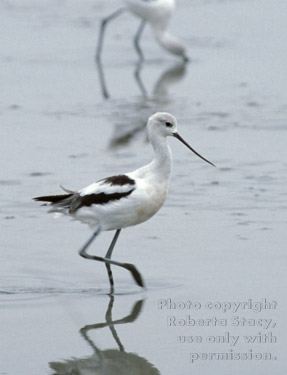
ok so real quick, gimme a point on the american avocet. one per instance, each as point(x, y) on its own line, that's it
point(121, 201)
point(157, 14)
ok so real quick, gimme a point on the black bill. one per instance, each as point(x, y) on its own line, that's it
point(176, 135)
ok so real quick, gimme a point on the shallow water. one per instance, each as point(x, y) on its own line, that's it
point(221, 236)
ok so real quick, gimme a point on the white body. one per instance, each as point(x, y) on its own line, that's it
point(149, 192)
point(158, 13)
point(147, 198)
point(121, 201)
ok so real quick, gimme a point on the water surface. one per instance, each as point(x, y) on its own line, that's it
point(221, 235)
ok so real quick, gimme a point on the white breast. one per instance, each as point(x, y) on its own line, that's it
point(154, 199)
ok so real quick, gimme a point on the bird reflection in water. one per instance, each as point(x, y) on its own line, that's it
point(129, 115)
point(170, 76)
point(108, 361)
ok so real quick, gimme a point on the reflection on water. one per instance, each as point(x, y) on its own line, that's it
point(108, 361)
point(170, 76)
point(102, 80)
point(132, 117)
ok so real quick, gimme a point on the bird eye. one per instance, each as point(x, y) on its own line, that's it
point(168, 124)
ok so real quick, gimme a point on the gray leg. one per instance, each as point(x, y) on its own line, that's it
point(137, 39)
point(138, 78)
point(102, 80)
point(108, 256)
point(112, 245)
point(128, 266)
point(104, 23)
point(82, 251)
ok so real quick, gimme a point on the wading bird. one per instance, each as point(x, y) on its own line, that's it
point(157, 14)
point(121, 201)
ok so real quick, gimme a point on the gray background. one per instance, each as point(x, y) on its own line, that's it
point(221, 235)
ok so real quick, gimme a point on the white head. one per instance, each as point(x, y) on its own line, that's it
point(162, 125)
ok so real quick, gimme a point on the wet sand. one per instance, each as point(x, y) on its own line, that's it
point(221, 236)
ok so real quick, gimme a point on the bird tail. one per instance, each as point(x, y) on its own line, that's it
point(54, 199)
point(60, 201)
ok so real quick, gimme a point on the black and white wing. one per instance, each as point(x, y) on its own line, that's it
point(102, 192)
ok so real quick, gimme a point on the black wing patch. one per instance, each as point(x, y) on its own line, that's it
point(75, 201)
point(100, 198)
point(54, 199)
point(120, 180)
